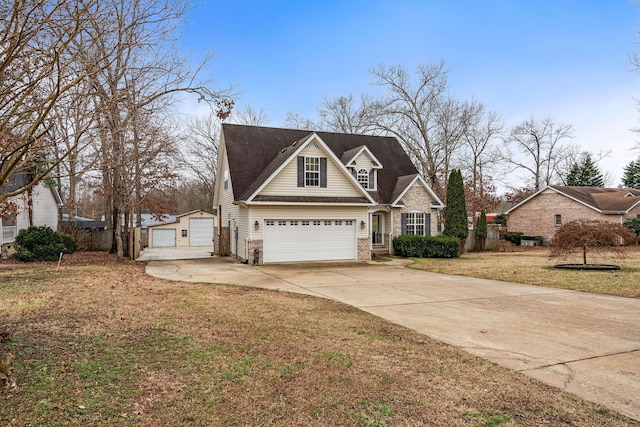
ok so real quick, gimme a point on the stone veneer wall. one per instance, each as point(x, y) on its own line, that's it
point(253, 245)
point(416, 199)
point(364, 249)
point(537, 216)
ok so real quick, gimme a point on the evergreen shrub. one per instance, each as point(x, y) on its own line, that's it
point(42, 244)
point(413, 246)
point(513, 237)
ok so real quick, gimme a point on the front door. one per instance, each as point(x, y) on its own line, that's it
point(376, 229)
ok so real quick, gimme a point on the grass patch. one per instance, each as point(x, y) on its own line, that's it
point(111, 346)
point(534, 267)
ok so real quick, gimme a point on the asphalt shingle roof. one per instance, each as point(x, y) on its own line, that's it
point(606, 200)
point(255, 152)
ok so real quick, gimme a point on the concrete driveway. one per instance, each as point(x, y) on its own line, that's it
point(586, 344)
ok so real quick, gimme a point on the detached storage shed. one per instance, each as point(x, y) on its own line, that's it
point(191, 229)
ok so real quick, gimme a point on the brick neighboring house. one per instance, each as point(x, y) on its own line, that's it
point(543, 212)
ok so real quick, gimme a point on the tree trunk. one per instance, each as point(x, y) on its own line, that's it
point(584, 255)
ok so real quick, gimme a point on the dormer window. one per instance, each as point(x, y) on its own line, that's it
point(363, 178)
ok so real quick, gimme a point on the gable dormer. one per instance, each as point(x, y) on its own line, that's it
point(364, 166)
point(305, 172)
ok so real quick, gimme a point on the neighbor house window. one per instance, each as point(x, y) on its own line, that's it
point(415, 223)
point(184, 233)
point(558, 220)
point(363, 178)
point(312, 171)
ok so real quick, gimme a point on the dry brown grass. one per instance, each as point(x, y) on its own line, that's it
point(533, 266)
point(101, 343)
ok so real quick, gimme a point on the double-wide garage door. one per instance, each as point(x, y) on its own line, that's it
point(309, 240)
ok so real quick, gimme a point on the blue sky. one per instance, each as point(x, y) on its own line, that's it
point(566, 59)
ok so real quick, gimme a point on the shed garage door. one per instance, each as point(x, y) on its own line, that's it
point(163, 237)
point(298, 240)
point(201, 231)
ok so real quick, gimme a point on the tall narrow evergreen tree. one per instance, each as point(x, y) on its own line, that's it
point(455, 213)
point(481, 232)
point(585, 174)
point(631, 176)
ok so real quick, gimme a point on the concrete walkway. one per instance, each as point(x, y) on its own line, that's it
point(157, 254)
point(584, 343)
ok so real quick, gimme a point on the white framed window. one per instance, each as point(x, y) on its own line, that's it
point(312, 171)
point(558, 220)
point(363, 178)
point(184, 233)
point(415, 223)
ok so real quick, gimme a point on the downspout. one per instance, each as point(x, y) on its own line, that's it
point(390, 244)
point(249, 233)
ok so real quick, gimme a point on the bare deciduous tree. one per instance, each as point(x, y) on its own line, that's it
point(137, 71)
point(200, 155)
point(480, 156)
point(540, 144)
point(250, 116)
point(296, 121)
point(343, 115)
point(422, 115)
point(38, 67)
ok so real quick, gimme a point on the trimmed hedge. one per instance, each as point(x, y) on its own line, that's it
point(413, 246)
point(513, 237)
point(42, 244)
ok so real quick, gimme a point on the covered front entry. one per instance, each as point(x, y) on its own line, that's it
point(309, 240)
point(377, 228)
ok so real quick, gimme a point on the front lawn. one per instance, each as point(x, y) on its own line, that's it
point(100, 343)
point(533, 266)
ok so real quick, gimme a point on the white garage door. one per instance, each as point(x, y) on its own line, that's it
point(163, 237)
point(298, 240)
point(201, 232)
